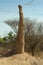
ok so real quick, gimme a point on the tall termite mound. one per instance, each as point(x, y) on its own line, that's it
point(19, 42)
point(20, 36)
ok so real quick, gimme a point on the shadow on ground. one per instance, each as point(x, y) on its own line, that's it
point(9, 53)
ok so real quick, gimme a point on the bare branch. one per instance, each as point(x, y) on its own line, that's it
point(29, 2)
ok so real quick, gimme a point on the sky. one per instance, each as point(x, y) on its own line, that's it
point(9, 10)
point(4, 29)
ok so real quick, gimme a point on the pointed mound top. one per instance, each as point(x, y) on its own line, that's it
point(19, 6)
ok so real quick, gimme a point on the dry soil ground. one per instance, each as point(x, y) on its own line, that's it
point(21, 59)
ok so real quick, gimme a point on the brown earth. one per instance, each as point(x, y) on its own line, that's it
point(21, 59)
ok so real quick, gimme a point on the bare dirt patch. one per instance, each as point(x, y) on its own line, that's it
point(21, 59)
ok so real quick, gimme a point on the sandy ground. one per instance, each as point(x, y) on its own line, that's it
point(21, 59)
